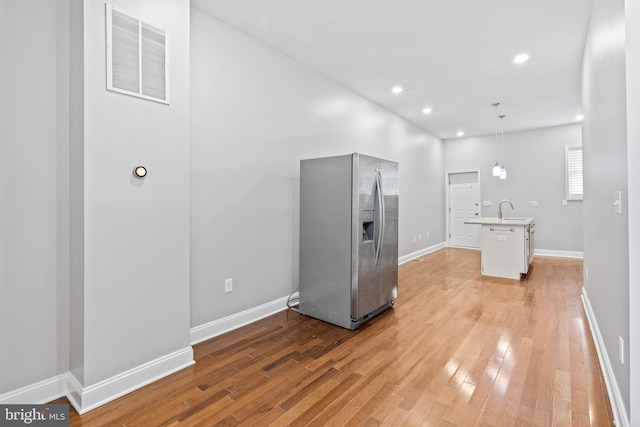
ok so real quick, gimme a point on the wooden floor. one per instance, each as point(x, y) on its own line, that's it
point(456, 350)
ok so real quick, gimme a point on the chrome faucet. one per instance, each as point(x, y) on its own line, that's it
point(500, 207)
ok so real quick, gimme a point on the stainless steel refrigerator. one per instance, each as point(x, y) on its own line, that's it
point(348, 238)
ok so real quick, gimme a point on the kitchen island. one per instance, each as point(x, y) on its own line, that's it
point(506, 245)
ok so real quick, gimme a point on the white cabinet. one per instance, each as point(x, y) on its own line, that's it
point(507, 249)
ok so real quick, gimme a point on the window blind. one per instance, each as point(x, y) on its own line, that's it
point(574, 172)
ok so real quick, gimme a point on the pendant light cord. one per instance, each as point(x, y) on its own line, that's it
point(502, 131)
point(503, 172)
point(496, 108)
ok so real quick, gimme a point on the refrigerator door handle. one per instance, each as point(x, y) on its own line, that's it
point(381, 216)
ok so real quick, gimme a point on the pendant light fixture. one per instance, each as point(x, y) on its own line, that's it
point(503, 171)
point(496, 168)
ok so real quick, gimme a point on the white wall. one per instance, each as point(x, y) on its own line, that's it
point(28, 194)
point(254, 115)
point(75, 183)
point(63, 27)
point(136, 232)
point(632, 12)
point(95, 263)
point(535, 164)
point(606, 234)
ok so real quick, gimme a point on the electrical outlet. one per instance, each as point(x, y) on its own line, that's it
point(228, 285)
point(534, 203)
point(621, 350)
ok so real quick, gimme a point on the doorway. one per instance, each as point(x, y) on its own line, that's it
point(463, 201)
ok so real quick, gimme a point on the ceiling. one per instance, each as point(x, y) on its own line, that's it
point(455, 56)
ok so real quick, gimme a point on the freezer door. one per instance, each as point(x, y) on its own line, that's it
point(375, 235)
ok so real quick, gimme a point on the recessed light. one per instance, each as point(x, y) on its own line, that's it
point(579, 117)
point(427, 110)
point(521, 58)
point(397, 89)
point(460, 133)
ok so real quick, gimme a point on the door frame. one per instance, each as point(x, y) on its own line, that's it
point(447, 207)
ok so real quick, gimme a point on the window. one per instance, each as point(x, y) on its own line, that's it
point(136, 57)
point(573, 155)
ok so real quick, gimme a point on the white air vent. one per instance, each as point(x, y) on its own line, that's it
point(137, 60)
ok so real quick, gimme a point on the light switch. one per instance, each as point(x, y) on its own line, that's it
point(617, 202)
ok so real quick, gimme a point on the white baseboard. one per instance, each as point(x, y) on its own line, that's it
point(226, 324)
point(560, 254)
point(620, 415)
point(551, 253)
point(85, 399)
point(38, 393)
point(421, 252)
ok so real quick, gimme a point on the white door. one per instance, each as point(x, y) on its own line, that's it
point(464, 203)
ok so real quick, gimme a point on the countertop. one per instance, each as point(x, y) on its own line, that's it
point(521, 222)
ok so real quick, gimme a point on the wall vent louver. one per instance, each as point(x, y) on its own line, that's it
point(137, 60)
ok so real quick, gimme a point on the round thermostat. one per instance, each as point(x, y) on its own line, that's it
point(140, 171)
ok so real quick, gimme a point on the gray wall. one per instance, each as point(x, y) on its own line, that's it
point(254, 114)
point(244, 173)
point(136, 232)
point(632, 11)
point(95, 264)
point(63, 90)
point(535, 164)
point(75, 184)
point(28, 194)
point(606, 238)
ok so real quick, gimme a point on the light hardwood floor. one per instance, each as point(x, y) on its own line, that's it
point(458, 349)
